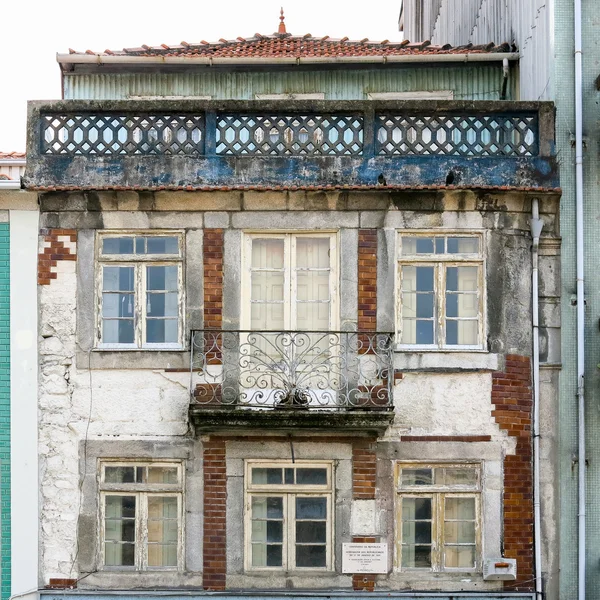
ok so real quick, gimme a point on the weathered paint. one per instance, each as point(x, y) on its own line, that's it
point(474, 82)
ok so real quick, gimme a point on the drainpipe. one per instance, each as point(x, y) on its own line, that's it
point(580, 299)
point(536, 229)
point(505, 71)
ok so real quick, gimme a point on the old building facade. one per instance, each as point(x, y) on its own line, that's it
point(286, 336)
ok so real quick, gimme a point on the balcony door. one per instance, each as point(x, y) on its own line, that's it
point(290, 282)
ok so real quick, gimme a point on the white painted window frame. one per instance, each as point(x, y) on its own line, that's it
point(141, 491)
point(290, 282)
point(440, 262)
point(138, 262)
point(438, 493)
point(288, 492)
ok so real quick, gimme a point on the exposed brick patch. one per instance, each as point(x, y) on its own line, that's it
point(367, 279)
point(61, 584)
point(212, 248)
point(363, 582)
point(445, 438)
point(58, 245)
point(512, 399)
point(364, 470)
point(215, 515)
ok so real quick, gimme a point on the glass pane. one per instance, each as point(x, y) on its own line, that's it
point(163, 475)
point(119, 474)
point(274, 556)
point(117, 332)
point(460, 508)
point(459, 557)
point(439, 245)
point(417, 477)
point(416, 509)
point(460, 476)
point(162, 507)
point(312, 285)
point(266, 476)
point(416, 245)
point(311, 508)
point(267, 253)
point(162, 278)
point(416, 532)
point(289, 476)
point(418, 557)
point(424, 279)
point(267, 286)
point(117, 279)
point(120, 245)
point(459, 532)
point(267, 508)
point(162, 555)
point(311, 532)
point(274, 531)
point(162, 331)
point(162, 245)
point(311, 476)
point(312, 252)
point(311, 556)
point(424, 306)
point(119, 555)
point(312, 316)
point(424, 332)
point(462, 279)
point(162, 305)
point(117, 305)
point(462, 333)
point(463, 245)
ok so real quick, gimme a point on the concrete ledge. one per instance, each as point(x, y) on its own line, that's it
point(446, 361)
point(208, 419)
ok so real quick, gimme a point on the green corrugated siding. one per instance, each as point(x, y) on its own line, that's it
point(476, 82)
point(5, 571)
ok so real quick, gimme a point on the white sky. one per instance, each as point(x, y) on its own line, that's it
point(33, 31)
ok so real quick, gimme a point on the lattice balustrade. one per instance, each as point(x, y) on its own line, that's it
point(114, 134)
point(457, 135)
point(290, 135)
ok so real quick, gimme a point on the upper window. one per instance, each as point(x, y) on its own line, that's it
point(439, 517)
point(289, 523)
point(290, 282)
point(140, 290)
point(440, 291)
point(141, 522)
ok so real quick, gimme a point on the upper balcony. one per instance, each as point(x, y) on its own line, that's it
point(188, 144)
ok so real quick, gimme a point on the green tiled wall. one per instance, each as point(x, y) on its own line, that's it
point(5, 573)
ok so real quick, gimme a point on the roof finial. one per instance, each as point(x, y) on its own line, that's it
point(282, 24)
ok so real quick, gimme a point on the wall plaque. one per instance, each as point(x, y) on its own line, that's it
point(364, 558)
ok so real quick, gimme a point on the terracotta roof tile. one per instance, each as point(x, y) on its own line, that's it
point(282, 45)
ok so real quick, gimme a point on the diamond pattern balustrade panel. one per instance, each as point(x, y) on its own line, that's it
point(457, 135)
point(329, 370)
point(118, 134)
point(296, 135)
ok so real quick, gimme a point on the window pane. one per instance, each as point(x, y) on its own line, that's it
point(117, 279)
point(417, 477)
point(460, 508)
point(161, 555)
point(463, 279)
point(312, 252)
point(311, 532)
point(119, 530)
point(418, 557)
point(163, 475)
point(412, 245)
point(440, 245)
point(162, 331)
point(162, 305)
point(463, 245)
point(162, 245)
point(424, 332)
point(311, 556)
point(162, 278)
point(163, 531)
point(416, 532)
point(267, 253)
point(117, 331)
point(274, 556)
point(119, 474)
point(416, 509)
point(462, 333)
point(121, 245)
point(267, 286)
point(267, 508)
point(266, 476)
point(460, 557)
point(459, 532)
point(424, 306)
point(311, 508)
point(289, 476)
point(459, 476)
point(311, 476)
point(119, 555)
point(117, 305)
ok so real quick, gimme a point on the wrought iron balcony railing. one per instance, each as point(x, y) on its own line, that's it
point(193, 144)
point(301, 370)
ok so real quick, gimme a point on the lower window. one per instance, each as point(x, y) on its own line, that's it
point(439, 517)
point(141, 508)
point(289, 524)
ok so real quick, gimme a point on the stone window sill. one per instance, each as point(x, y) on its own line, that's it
point(446, 361)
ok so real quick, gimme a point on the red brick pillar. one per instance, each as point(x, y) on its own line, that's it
point(513, 403)
point(212, 254)
point(58, 245)
point(364, 478)
point(215, 515)
point(367, 279)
